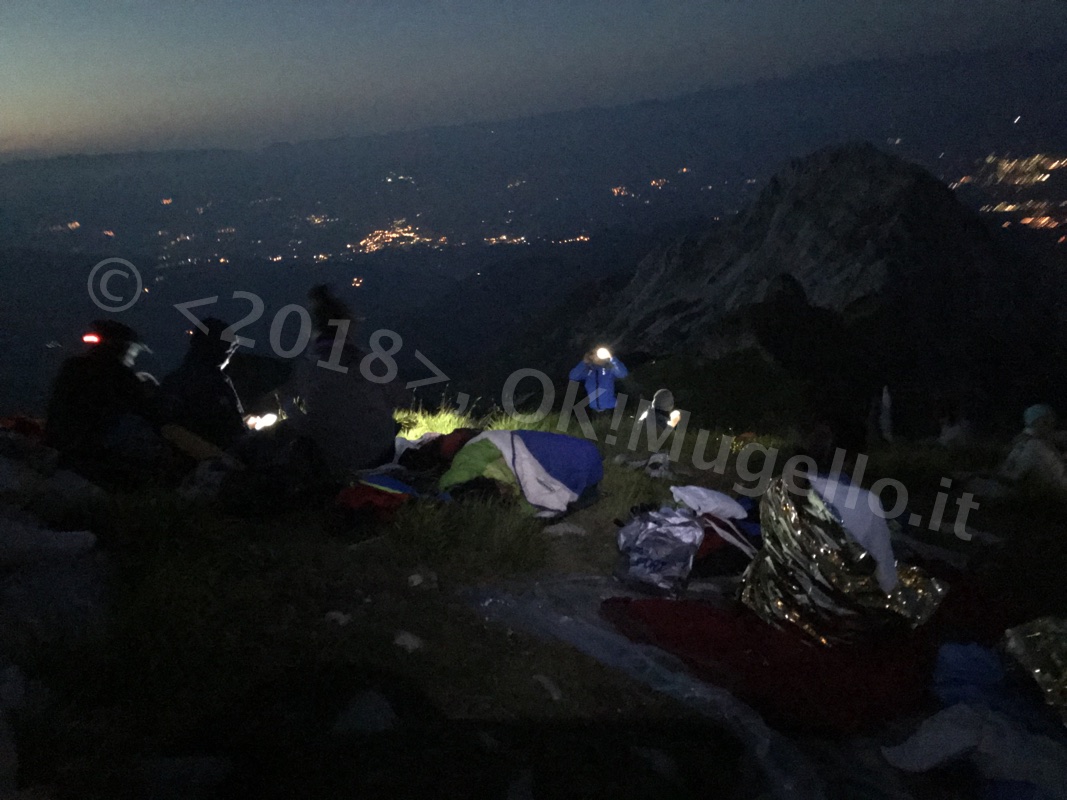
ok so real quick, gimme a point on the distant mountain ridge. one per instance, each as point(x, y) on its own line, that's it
point(844, 222)
point(695, 158)
point(853, 269)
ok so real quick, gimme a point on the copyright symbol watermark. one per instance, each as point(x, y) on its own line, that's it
point(103, 285)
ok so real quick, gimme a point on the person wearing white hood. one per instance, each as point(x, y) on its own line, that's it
point(1036, 453)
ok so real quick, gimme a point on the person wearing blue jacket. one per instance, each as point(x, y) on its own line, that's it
point(599, 370)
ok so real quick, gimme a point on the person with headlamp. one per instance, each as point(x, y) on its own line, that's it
point(102, 414)
point(599, 370)
point(199, 394)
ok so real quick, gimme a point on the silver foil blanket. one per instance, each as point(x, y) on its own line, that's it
point(660, 546)
point(812, 574)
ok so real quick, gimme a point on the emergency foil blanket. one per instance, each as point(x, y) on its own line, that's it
point(660, 546)
point(1041, 648)
point(812, 574)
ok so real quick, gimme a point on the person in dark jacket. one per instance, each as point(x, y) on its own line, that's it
point(599, 370)
point(102, 414)
point(199, 396)
point(348, 416)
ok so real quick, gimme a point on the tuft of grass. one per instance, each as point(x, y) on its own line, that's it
point(597, 551)
point(416, 422)
point(624, 488)
point(499, 420)
point(470, 540)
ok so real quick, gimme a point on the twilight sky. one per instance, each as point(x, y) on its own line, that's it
point(103, 75)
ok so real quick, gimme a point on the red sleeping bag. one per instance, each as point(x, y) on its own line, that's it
point(791, 682)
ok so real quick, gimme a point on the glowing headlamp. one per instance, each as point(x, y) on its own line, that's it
point(259, 423)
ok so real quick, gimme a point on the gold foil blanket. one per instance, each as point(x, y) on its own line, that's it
point(812, 574)
point(1041, 648)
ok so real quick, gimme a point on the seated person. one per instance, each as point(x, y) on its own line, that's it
point(1035, 453)
point(102, 415)
point(663, 410)
point(661, 415)
point(199, 396)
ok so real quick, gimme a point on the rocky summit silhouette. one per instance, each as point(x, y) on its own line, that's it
point(852, 270)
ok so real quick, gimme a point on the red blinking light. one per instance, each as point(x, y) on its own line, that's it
point(91, 338)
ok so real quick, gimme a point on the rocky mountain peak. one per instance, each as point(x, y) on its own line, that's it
point(914, 282)
point(847, 223)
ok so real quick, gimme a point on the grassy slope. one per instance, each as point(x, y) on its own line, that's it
point(221, 641)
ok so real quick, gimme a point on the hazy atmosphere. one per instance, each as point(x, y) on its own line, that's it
point(617, 400)
point(118, 75)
